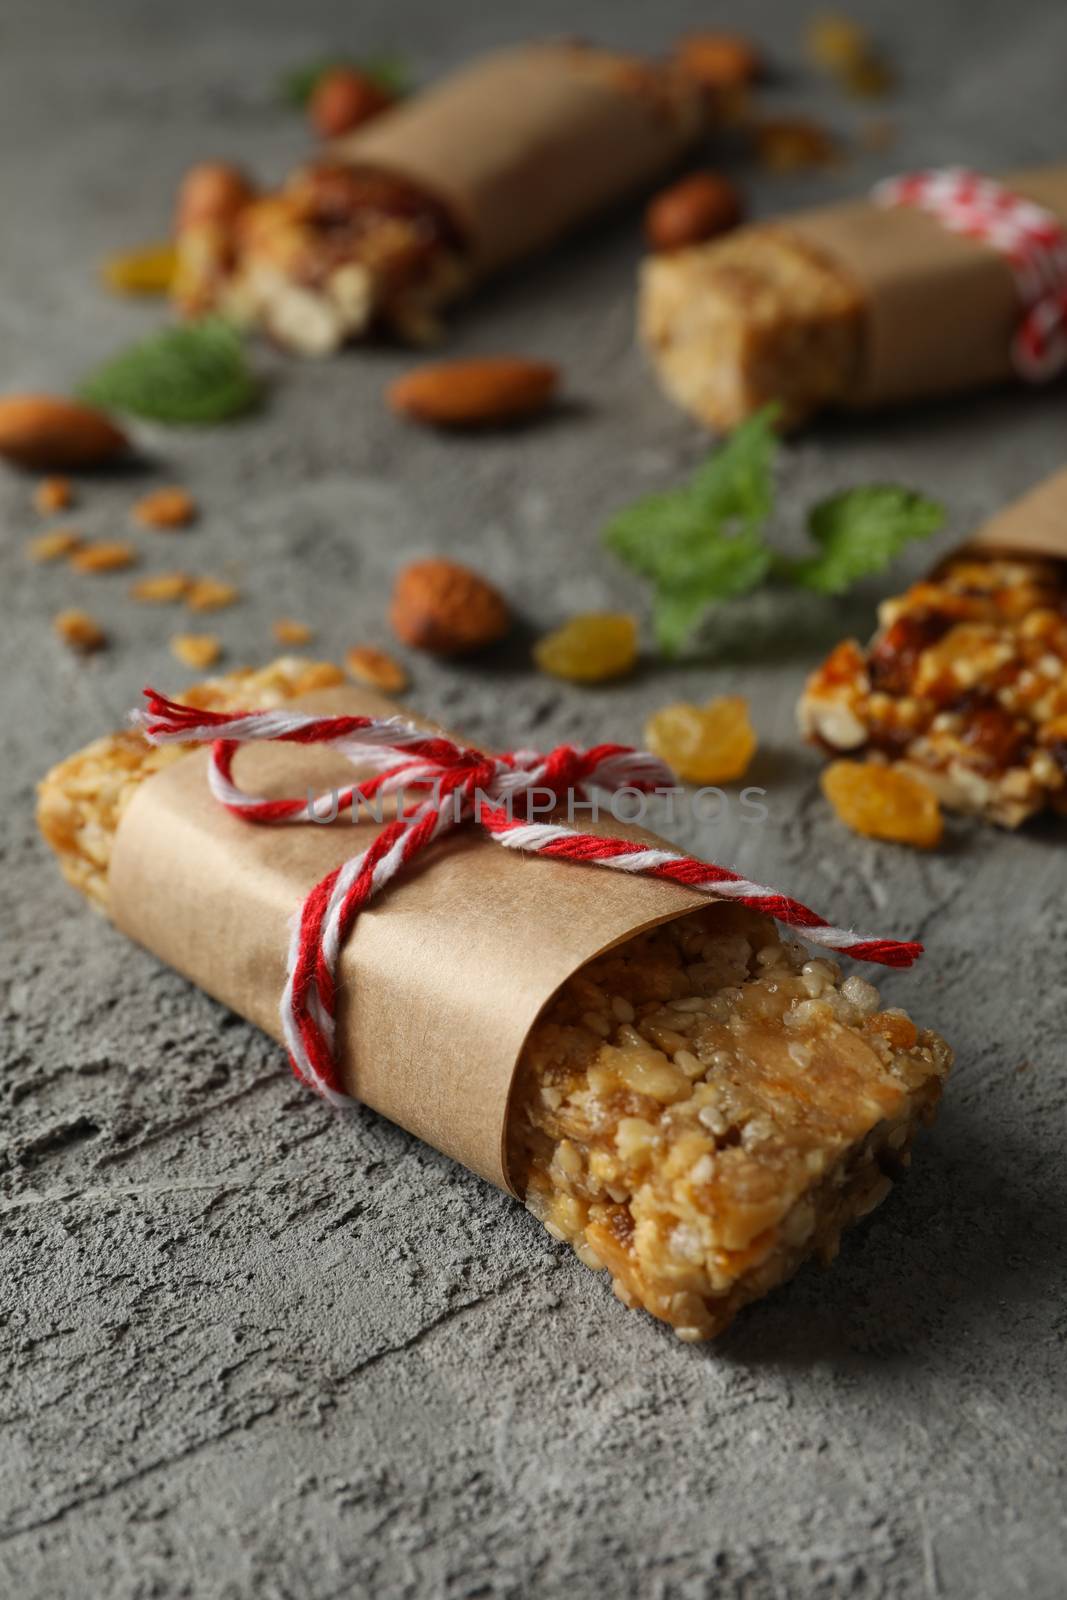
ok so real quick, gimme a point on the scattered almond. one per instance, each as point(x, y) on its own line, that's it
point(445, 608)
point(110, 555)
point(376, 668)
point(286, 631)
point(480, 393)
point(52, 495)
point(149, 270)
point(79, 630)
point(53, 546)
point(693, 209)
point(42, 431)
point(197, 650)
point(171, 507)
point(344, 98)
point(211, 594)
point(789, 144)
point(719, 61)
point(162, 587)
point(214, 191)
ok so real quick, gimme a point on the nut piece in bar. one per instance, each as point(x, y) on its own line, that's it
point(699, 1110)
point(756, 317)
point(964, 683)
point(705, 1107)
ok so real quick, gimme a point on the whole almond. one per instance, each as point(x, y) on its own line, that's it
point(43, 431)
point(345, 98)
point(479, 393)
point(692, 210)
point(447, 609)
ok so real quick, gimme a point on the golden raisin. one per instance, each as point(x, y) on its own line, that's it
point(709, 744)
point(288, 631)
point(376, 668)
point(149, 270)
point(790, 144)
point(196, 650)
point(211, 594)
point(166, 508)
point(162, 587)
point(52, 546)
point(110, 555)
point(53, 494)
point(883, 803)
point(590, 648)
point(80, 631)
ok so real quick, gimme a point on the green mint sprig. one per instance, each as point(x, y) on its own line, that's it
point(704, 542)
point(296, 86)
point(195, 372)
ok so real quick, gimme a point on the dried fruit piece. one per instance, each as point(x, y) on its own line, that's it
point(52, 495)
point(789, 144)
point(43, 431)
point(109, 555)
point(211, 594)
point(80, 631)
point(591, 648)
point(287, 631)
point(883, 802)
point(197, 650)
point(213, 192)
point(693, 209)
point(845, 49)
point(344, 98)
point(172, 507)
point(53, 546)
point(162, 587)
point(704, 744)
point(446, 608)
point(479, 393)
point(376, 668)
point(150, 270)
point(719, 61)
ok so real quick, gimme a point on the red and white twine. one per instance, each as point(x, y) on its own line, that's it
point(452, 785)
point(1030, 238)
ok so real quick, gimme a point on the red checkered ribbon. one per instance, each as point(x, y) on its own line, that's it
point(1032, 240)
point(451, 785)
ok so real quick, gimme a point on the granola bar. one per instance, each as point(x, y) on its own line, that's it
point(758, 316)
point(965, 683)
point(403, 216)
point(698, 1111)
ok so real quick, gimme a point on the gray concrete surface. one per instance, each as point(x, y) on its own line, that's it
point(251, 1349)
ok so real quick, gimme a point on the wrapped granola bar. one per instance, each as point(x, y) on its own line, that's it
point(684, 1096)
point(965, 680)
point(854, 305)
point(405, 214)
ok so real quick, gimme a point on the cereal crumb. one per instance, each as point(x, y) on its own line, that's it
point(79, 630)
point(110, 555)
point(288, 631)
point(53, 494)
point(211, 594)
point(196, 650)
point(162, 586)
point(166, 508)
point(376, 668)
point(53, 546)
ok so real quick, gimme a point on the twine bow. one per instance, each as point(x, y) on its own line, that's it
point(1032, 240)
point(453, 786)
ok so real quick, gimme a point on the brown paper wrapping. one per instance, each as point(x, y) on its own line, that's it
point(940, 309)
point(443, 975)
point(1036, 525)
point(527, 142)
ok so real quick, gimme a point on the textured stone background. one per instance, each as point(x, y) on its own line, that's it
point(250, 1349)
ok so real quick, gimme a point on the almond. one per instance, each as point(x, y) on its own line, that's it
point(482, 392)
point(692, 210)
point(343, 99)
point(214, 192)
point(445, 608)
point(43, 431)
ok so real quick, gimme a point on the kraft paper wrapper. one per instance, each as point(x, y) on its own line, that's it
point(940, 310)
point(443, 974)
point(527, 142)
point(1036, 525)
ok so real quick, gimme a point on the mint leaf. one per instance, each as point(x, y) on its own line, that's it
point(861, 531)
point(703, 542)
point(195, 372)
point(296, 86)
